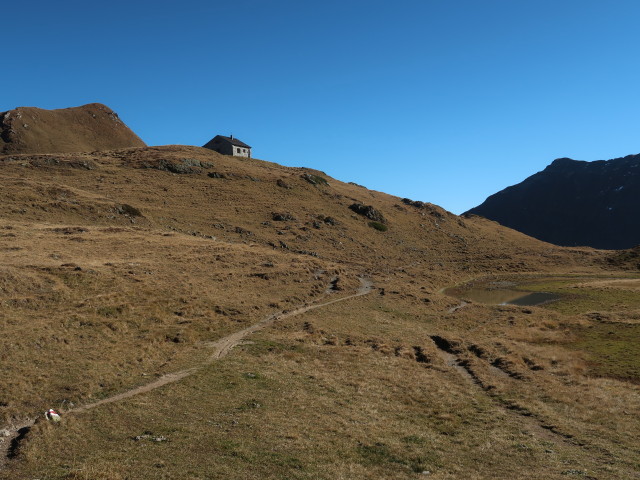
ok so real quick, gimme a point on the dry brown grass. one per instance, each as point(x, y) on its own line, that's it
point(79, 129)
point(94, 316)
point(291, 406)
point(98, 298)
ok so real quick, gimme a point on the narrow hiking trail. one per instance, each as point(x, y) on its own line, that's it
point(11, 436)
point(458, 307)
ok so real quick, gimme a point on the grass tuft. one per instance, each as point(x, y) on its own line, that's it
point(381, 227)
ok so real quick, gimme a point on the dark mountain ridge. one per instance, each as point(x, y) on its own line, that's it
point(573, 202)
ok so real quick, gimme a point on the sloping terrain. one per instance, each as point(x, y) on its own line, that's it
point(80, 129)
point(573, 203)
point(122, 270)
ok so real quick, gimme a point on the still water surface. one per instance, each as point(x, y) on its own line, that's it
point(503, 296)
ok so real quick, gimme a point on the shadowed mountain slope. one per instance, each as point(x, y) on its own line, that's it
point(573, 203)
point(80, 129)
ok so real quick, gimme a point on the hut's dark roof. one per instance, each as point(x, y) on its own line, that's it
point(232, 141)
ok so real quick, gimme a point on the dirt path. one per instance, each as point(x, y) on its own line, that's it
point(458, 307)
point(12, 435)
point(221, 348)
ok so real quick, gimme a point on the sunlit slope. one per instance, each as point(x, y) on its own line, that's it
point(78, 129)
point(195, 191)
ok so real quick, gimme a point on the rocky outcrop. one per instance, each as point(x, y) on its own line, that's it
point(87, 128)
point(573, 203)
point(368, 211)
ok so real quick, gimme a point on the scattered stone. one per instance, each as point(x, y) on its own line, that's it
point(307, 252)
point(182, 166)
point(125, 209)
point(150, 437)
point(216, 175)
point(69, 230)
point(282, 217)
point(368, 211)
point(314, 179)
point(264, 276)
point(573, 471)
point(282, 184)
point(413, 203)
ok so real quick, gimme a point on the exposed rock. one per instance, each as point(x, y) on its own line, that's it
point(150, 437)
point(626, 258)
point(47, 161)
point(216, 175)
point(314, 179)
point(182, 166)
point(282, 184)
point(125, 209)
point(413, 203)
point(282, 217)
point(368, 211)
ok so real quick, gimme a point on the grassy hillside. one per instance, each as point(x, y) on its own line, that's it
point(135, 266)
point(79, 129)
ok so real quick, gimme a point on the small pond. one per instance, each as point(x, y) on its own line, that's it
point(501, 293)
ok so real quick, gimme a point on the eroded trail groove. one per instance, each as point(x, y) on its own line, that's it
point(533, 422)
point(9, 444)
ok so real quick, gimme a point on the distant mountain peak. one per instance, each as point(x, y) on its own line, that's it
point(574, 202)
point(564, 161)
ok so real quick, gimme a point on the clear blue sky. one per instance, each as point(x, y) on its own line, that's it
point(446, 101)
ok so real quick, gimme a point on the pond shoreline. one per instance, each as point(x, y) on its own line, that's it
point(501, 293)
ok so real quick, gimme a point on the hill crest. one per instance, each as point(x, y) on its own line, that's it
point(91, 127)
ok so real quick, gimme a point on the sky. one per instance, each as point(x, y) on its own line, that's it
point(443, 101)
